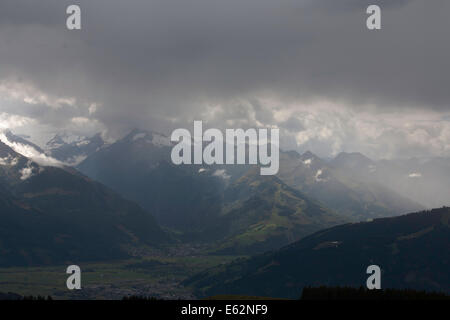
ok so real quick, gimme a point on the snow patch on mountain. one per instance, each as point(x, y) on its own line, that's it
point(319, 176)
point(60, 140)
point(308, 162)
point(73, 149)
point(415, 175)
point(9, 161)
point(82, 143)
point(27, 171)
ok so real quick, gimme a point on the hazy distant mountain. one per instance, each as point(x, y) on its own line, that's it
point(139, 150)
point(338, 188)
point(73, 149)
point(353, 161)
point(412, 251)
point(53, 215)
point(427, 181)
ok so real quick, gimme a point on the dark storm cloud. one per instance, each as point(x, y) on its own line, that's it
point(159, 63)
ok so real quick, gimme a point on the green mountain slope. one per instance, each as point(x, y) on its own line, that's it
point(262, 213)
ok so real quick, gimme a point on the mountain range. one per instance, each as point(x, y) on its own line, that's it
point(233, 209)
point(201, 201)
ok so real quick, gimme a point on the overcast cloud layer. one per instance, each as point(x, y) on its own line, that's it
point(309, 67)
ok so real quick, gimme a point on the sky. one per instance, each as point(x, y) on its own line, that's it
point(310, 68)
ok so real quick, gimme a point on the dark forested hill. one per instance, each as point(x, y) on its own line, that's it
point(412, 250)
point(52, 215)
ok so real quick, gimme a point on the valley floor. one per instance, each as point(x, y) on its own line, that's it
point(158, 277)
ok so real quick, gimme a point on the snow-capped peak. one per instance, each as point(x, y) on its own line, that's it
point(73, 149)
point(62, 139)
